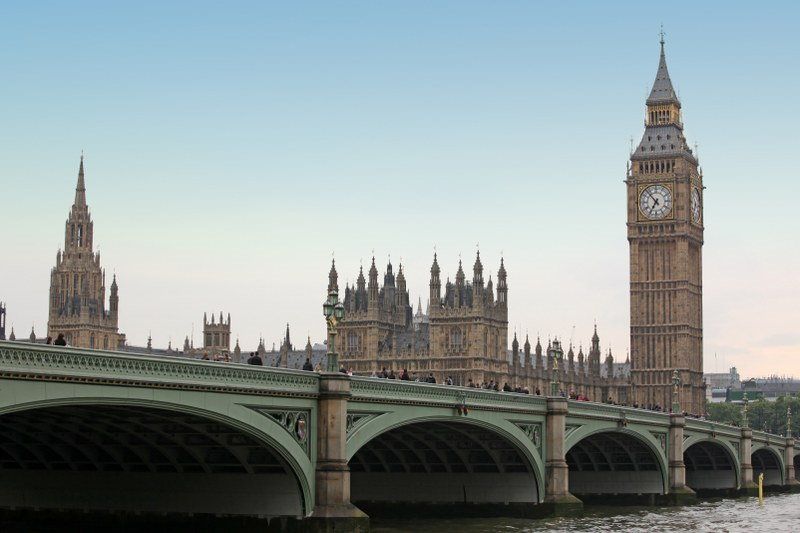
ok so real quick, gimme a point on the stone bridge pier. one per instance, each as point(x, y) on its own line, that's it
point(333, 510)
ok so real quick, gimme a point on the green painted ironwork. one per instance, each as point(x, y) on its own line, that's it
point(279, 406)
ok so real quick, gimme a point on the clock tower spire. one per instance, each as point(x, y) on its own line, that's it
point(665, 233)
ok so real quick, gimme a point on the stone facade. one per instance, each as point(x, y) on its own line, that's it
point(78, 285)
point(463, 336)
point(665, 232)
point(217, 334)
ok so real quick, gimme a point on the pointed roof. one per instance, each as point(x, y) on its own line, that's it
point(373, 270)
point(435, 266)
point(333, 278)
point(478, 266)
point(360, 279)
point(80, 188)
point(662, 91)
point(460, 273)
point(515, 342)
point(527, 343)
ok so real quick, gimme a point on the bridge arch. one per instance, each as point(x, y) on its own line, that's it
point(439, 462)
point(769, 462)
point(615, 460)
point(711, 465)
point(159, 455)
point(796, 465)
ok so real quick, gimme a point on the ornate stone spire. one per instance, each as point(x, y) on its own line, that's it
point(435, 284)
point(80, 189)
point(460, 277)
point(502, 286)
point(333, 278)
point(477, 270)
point(286, 341)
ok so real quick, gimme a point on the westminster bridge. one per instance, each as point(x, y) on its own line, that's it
point(92, 430)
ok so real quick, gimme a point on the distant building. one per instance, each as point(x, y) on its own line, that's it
point(718, 384)
point(2, 321)
point(771, 388)
point(216, 335)
point(463, 336)
point(78, 285)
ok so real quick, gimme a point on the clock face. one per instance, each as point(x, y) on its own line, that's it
point(696, 205)
point(656, 202)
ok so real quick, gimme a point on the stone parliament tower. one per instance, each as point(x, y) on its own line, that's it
point(665, 232)
point(78, 285)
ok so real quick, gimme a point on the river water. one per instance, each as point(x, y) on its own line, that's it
point(779, 512)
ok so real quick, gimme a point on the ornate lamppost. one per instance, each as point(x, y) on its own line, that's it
point(744, 410)
point(333, 310)
point(554, 383)
point(788, 421)
point(676, 383)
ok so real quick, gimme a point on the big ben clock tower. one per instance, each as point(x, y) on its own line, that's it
point(665, 232)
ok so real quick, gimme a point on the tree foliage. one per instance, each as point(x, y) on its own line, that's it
point(762, 415)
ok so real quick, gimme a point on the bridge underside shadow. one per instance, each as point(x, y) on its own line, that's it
point(613, 467)
point(710, 469)
point(137, 459)
point(767, 462)
point(442, 469)
point(797, 466)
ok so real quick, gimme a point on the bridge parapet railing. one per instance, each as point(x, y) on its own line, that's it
point(714, 428)
point(412, 392)
point(768, 438)
point(19, 360)
point(617, 412)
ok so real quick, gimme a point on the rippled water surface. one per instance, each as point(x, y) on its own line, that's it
point(776, 513)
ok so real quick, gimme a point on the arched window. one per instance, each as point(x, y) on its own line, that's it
point(456, 338)
point(105, 342)
point(91, 341)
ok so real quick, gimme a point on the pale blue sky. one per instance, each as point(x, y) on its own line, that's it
point(231, 147)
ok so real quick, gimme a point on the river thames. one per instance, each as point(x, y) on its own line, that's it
point(780, 512)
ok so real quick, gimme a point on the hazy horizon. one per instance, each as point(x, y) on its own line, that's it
point(230, 153)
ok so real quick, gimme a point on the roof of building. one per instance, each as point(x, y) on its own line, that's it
point(662, 91)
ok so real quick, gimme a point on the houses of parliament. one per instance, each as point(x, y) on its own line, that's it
point(463, 333)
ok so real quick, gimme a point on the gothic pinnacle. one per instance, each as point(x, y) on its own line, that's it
point(80, 188)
